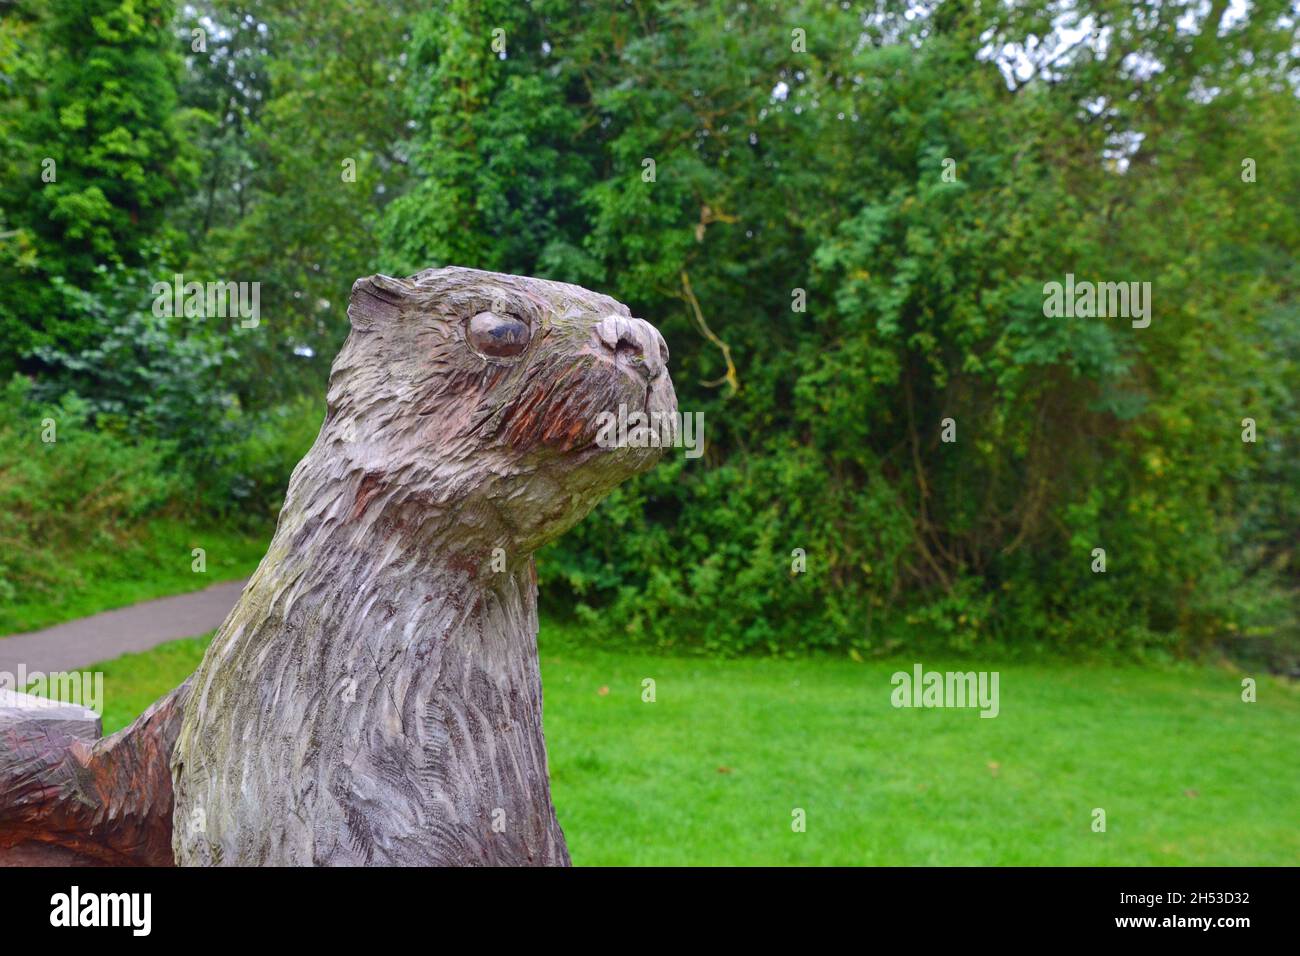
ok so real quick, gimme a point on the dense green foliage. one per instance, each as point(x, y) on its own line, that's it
point(924, 303)
point(53, 492)
point(82, 514)
point(846, 238)
point(95, 157)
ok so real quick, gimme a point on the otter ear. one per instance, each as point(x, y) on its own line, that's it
point(376, 299)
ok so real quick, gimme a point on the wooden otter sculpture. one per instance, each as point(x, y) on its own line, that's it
point(374, 697)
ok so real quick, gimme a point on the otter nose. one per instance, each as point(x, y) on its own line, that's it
point(634, 341)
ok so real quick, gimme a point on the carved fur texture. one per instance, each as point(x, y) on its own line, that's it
point(374, 698)
point(65, 800)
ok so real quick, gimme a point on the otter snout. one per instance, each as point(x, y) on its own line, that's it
point(634, 343)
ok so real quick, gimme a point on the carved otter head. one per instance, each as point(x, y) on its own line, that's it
point(474, 398)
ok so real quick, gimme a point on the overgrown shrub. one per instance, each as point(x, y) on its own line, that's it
point(86, 488)
point(249, 479)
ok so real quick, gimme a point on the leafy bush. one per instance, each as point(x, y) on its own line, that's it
point(160, 376)
point(249, 480)
point(85, 489)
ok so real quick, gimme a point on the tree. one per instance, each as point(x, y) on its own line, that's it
point(103, 158)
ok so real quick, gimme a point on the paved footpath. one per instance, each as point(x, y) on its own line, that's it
point(101, 637)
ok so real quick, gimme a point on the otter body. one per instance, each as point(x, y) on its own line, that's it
point(375, 698)
point(408, 744)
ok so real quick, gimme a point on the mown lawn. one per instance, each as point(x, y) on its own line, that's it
point(710, 772)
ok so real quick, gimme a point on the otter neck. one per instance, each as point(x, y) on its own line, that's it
point(379, 579)
point(414, 668)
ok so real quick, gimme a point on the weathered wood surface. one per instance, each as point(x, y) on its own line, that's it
point(68, 797)
point(375, 698)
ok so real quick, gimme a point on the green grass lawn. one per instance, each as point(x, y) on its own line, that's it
point(99, 579)
point(711, 771)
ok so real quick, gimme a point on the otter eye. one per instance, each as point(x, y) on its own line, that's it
point(500, 336)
